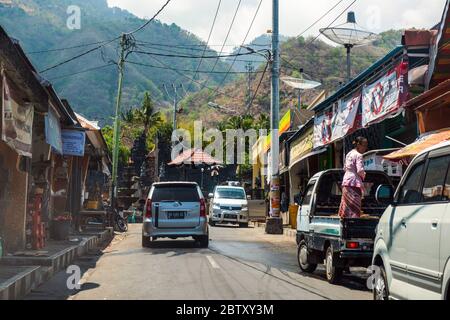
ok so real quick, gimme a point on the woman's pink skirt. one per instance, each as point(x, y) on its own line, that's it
point(350, 203)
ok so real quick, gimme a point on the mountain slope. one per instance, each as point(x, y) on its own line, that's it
point(320, 62)
point(41, 25)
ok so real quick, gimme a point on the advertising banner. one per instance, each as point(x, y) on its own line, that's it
point(337, 122)
point(17, 120)
point(384, 97)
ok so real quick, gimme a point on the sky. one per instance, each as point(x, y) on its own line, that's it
point(197, 16)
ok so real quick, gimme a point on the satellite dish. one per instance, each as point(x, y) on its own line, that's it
point(301, 84)
point(350, 33)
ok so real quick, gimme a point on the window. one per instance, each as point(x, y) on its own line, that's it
point(229, 193)
point(446, 196)
point(183, 193)
point(308, 194)
point(434, 179)
point(409, 192)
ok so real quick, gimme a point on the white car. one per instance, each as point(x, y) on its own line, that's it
point(412, 246)
point(228, 205)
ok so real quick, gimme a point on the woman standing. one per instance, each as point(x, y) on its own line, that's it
point(353, 186)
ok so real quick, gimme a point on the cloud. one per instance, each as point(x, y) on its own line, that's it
point(196, 16)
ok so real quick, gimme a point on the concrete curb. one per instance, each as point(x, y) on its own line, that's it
point(291, 233)
point(42, 269)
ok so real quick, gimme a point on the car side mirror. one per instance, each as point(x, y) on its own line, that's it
point(385, 194)
point(210, 196)
point(249, 197)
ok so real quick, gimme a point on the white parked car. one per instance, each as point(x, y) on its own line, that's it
point(412, 246)
point(228, 205)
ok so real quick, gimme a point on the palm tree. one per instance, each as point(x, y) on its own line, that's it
point(146, 114)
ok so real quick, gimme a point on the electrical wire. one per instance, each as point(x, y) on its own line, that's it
point(66, 48)
point(189, 78)
point(190, 70)
point(195, 57)
point(243, 43)
point(150, 20)
point(105, 43)
point(318, 20)
point(207, 41)
point(332, 22)
point(228, 33)
point(259, 85)
point(83, 71)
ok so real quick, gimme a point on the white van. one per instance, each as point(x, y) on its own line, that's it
point(412, 246)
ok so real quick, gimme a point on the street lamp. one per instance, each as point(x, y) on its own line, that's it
point(350, 35)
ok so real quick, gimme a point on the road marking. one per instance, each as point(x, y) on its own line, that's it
point(212, 262)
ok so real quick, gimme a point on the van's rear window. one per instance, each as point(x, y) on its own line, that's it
point(175, 192)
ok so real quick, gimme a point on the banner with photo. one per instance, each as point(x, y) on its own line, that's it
point(385, 97)
point(17, 120)
point(337, 122)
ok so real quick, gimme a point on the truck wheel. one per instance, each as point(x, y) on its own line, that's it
point(381, 289)
point(212, 223)
point(147, 242)
point(333, 273)
point(302, 258)
point(243, 225)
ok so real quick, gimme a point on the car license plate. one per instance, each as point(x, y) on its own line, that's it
point(229, 216)
point(175, 215)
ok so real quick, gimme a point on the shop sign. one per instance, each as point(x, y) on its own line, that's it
point(385, 96)
point(73, 142)
point(301, 147)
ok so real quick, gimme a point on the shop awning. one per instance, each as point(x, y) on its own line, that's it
point(308, 155)
point(424, 142)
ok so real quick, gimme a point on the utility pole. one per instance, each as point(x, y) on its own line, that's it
point(249, 68)
point(175, 106)
point(125, 45)
point(274, 224)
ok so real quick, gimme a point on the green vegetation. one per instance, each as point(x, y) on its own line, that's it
point(40, 25)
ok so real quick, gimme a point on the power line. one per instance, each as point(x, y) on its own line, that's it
point(83, 71)
point(196, 45)
point(189, 78)
point(75, 57)
point(66, 48)
point(207, 42)
point(315, 38)
point(259, 84)
point(318, 20)
point(190, 70)
point(194, 57)
point(105, 43)
point(332, 22)
point(243, 43)
point(151, 20)
point(228, 33)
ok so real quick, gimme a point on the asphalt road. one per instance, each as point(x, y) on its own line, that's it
point(240, 264)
